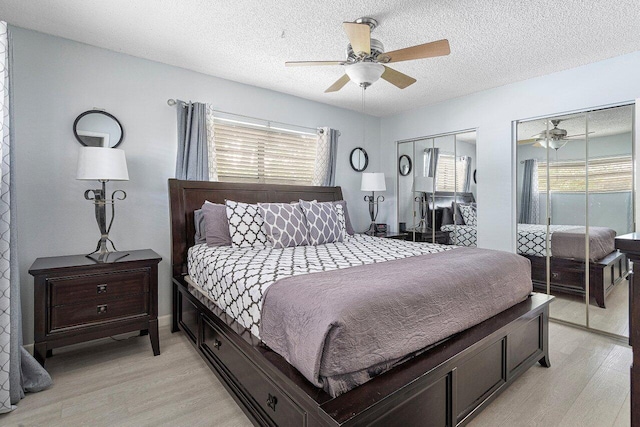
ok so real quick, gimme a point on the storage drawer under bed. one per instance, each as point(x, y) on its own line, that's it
point(267, 396)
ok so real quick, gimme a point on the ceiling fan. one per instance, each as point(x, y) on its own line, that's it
point(556, 137)
point(366, 57)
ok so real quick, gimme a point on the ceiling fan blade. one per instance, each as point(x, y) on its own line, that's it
point(359, 36)
point(578, 134)
point(339, 84)
point(427, 50)
point(527, 141)
point(538, 145)
point(307, 63)
point(396, 78)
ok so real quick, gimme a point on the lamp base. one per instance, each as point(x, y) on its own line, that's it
point(102, 252)
point(372, 230)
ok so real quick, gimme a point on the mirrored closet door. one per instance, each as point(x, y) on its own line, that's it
point(575, 193)
point(437, 188)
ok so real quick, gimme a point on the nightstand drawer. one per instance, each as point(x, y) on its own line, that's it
point(77, 289)
point(98, 311)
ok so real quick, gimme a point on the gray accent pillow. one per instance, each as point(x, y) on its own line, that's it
point(347, 220)
point(216, 225)
point(199, 224)
point(322, 222)
point(246, 226)
point(284, 224)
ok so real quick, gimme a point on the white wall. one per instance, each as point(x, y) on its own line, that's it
point(56, 79)
point(492, 112)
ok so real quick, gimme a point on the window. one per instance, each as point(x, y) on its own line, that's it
point(247, 153)
point(606, 175)
point(449, 176)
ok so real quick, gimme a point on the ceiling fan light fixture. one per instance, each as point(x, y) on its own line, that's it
point(364, 73)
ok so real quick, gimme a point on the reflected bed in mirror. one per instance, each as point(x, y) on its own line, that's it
point(575, 173)
point(97, 128)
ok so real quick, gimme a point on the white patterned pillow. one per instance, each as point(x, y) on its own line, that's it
point(342, 222)
point(469, 215)
point(322, 222)
point(284, 224)
point(246, 226)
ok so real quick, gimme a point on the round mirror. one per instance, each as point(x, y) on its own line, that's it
point(404, 165)
point(359, 159)
point(95, 128)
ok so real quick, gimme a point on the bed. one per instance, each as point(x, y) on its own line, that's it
point(607, 266)
point(445, 384)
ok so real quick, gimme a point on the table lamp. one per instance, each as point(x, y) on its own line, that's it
point(373, 182)
point(103, 164)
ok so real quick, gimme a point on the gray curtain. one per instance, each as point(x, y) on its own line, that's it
point(467, 177)
point(324, 173)
point(431, 162)
point(19, 371)
point(530, 201)
point(192, 162)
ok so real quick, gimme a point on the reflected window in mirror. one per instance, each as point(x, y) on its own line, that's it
point(97, 128)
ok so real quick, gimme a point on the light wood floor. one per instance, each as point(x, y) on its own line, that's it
point(107, 383)
point(614, 318)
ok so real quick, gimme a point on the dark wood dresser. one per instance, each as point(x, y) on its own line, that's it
point(77, 299)
point(629, 244)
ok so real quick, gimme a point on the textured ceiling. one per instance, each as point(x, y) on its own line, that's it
point(493, 42)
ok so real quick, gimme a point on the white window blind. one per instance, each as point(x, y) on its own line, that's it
point(245, 153)
point(448, 176)
point(606, 175)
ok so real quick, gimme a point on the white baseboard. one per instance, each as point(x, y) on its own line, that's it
point(162, 321)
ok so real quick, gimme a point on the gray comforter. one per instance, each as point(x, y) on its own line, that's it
point(342, 323)
point(571, 243)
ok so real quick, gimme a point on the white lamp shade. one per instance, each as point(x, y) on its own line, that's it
point(100, 163)
point(373, 182)
point(364, 72)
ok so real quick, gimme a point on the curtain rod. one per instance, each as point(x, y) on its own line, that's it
point(171, 102)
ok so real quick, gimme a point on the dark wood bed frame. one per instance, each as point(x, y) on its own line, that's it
point(568, 275)
point(447, 385)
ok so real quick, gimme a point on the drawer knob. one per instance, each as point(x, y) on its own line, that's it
point(272, 401)
point(555, 275)
point(102, 309)
point(217, 344)
point(102, 289)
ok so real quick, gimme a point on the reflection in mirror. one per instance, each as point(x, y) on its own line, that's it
point(575, 173)
point(359, 159)
point(442, 181)
point(404, 165)
point(97, 128)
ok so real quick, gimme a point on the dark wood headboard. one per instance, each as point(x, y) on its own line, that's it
point(187, 196)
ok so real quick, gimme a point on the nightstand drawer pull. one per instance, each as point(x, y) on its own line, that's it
point(102, 309)
point(101, 289)
point(217, 344)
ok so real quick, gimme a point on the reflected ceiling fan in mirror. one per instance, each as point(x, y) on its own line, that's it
point(556, 137)
point(366, 57)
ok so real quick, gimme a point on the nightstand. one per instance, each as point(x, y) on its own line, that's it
point(441, 237)
point(77, 299)
point(398, 236)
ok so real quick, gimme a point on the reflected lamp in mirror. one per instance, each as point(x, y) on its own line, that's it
point(359, 159)
point(97, 128)
point(423, 189)
point(373, 182)
point(103, 165)
point(404, 165)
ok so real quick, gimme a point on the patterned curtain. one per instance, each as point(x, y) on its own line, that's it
point(530, 201)
point(466, 161)
point(19, 371)
point(192, 162)
point(211, 143)
point(324, 173)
